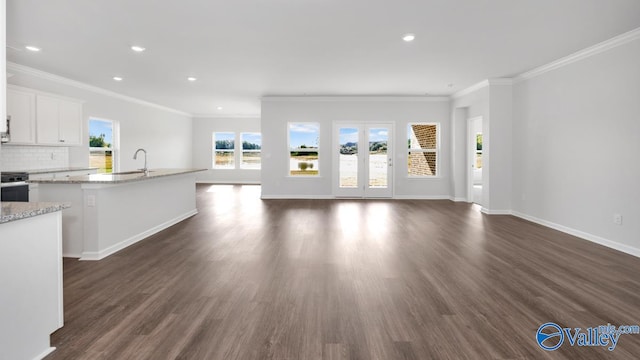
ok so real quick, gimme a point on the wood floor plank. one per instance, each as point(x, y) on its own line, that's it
point(344, 279)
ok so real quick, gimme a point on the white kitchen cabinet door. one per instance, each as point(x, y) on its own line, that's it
point(70, 123)
point(21, 108)
point(59, 121)
point(47, 115)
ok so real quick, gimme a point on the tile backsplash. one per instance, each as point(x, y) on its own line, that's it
point(14, 157)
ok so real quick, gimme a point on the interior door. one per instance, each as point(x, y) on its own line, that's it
point(363, 160)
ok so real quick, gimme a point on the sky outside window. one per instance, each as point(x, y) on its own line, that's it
point(97, 128)
point(304, 134)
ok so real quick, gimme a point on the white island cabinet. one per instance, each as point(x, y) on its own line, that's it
point(30, 278)
point(112, 211)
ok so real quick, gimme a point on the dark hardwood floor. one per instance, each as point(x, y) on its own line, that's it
point(345, 279)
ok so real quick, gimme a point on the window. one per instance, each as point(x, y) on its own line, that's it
point(102, 145)
point(251, 147)
point(224, 150)
point(478, 159)
point(423, 144)
point(303, 149)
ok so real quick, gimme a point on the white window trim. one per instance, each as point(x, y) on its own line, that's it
point(115, 142)
point(289, 150)
point(242, 151)
point(233, 151)
point(436, 151)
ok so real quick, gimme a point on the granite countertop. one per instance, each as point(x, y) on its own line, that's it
point(117, 178)
point(55, 170)
point(12, 211)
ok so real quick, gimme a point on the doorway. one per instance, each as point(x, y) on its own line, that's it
point(475, 156)
point(363, 160)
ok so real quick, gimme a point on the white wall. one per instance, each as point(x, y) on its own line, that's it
point(492, 102)
point(203, 129)
point(3, 65)
point(576, 147)
point(278, 112)
point(165, 135)
point(472, 105)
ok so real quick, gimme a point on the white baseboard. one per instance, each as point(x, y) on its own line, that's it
point(99, 255)
point(457, 199)
point(422, 197)
point(296, 197)
point(45, 353)
point(484, 210)
point(70, 255)
point(581, 234)
point(217, 182)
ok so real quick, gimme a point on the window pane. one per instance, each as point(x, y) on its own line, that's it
point(422, 136)
point(479, 160)
point(378, 163)
point(479, 142)
point(101, 159)
point(100, 133)
point(251, 147)
point(101, 145)
point(224, 140)
point(303, 149)
point(303, 163)
point(224, 160)
point(250, 160)
point(348, 138)
point(422, 163)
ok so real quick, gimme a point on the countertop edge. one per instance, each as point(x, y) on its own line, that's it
point(53, 170)
point(117, 179)
point(13, 211)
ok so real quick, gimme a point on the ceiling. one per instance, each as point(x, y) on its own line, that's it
point(241, 50)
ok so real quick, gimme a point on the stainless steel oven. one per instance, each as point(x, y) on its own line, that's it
point(14, 186)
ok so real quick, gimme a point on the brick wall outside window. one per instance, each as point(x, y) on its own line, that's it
point(423, 150)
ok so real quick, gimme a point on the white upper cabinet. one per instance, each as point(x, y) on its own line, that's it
point(58, 121)
point(48, 120)
point(21, 108)
point(70, 122)
point(39, 118)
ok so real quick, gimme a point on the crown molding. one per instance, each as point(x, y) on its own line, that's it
point(21, 69)
point(470, 89)
point(501, 81)
point(582, 54)
point(346, 98)
point(482, 84)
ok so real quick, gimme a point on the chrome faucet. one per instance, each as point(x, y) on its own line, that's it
point(135, 156)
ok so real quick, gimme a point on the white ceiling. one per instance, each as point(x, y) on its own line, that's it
point(241, 50)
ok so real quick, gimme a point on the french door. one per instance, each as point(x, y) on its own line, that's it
point(362, 160)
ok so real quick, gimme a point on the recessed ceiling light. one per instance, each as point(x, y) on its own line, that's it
point(219, 108)
point(117, 78)
point(32, 48)
point(137, 48)
point(191, 78)
point(408, 37)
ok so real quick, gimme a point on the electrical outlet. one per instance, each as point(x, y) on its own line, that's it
point(617, 219)
point(91, 200)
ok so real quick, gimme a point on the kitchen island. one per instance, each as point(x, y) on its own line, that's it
point(112, 211)
point(30, 278)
